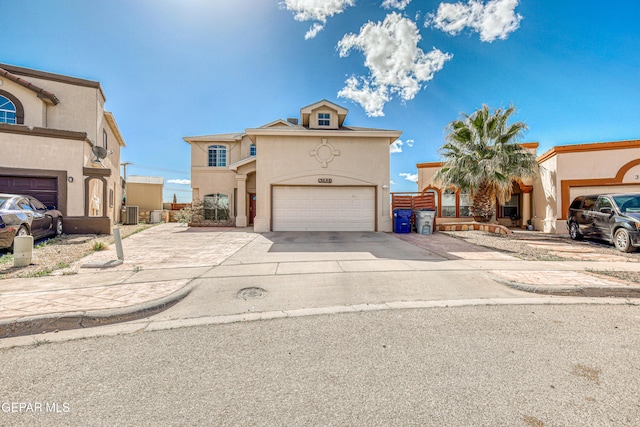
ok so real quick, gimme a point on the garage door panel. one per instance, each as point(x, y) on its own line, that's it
point(44, 189)
point(324, 209)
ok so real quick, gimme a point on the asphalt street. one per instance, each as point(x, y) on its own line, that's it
point(515, 365)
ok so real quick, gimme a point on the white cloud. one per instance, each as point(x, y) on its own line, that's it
point(179, 181)
point(313, 31)
point(397, 66)
point(494, 20)
point(413, 177)
point(396, 146)
point(410, 142)
point(397, 4)
point(392, 182)
point(315, 10)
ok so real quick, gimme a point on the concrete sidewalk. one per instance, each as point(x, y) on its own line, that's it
point(296, 271)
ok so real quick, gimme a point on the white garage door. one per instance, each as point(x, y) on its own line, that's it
point(324, 209)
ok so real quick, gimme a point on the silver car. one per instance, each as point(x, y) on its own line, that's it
point(26, 215)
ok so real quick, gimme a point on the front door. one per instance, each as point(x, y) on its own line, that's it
point(252, 207)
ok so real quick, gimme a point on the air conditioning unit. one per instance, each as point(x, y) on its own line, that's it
point(131, 215)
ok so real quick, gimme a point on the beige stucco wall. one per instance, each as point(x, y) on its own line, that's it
point(145, 196)
point(286, 160)
point(35, 152)
point(207, 180)
point(81, 109)
point(590, 172)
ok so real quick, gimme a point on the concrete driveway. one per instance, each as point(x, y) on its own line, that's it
point(221, 275)
point(283, 271)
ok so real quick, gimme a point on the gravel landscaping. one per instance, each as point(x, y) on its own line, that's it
point(536, 246)
point(57, 254)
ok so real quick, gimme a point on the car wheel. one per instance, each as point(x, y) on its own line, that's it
point(22, 231)
point(622, 241)
point(574, 231)
point(59, 227)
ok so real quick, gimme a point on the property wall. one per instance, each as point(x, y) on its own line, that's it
point(290, 160)
point(148, 197)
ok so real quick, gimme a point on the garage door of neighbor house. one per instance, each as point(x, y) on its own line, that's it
point(44, 189)
point(324, 208)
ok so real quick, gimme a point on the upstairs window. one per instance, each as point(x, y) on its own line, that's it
point(217, 155)
point(7, 111)
point(104, 139)
point(324, 119)
point(252, 150)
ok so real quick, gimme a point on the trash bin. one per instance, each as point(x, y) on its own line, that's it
point(425, 219)
point(402, 220)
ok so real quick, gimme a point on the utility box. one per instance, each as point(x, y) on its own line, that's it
point(155, 217)
point(22, 250)
point(425, 221)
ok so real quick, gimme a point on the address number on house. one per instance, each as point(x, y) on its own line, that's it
point(325, 180)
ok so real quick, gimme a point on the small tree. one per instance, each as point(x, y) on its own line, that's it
point(184, 215)
point(482, 156)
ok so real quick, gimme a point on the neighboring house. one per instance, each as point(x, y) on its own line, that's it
point(49, 126)
point(317, 174)
point(565, 172)
point(144, 192)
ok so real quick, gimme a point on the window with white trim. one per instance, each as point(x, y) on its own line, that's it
point(324, 119)
point(217, 155)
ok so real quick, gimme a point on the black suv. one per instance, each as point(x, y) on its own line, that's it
point(611, 217)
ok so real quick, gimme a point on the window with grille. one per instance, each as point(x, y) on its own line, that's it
point(217, 155)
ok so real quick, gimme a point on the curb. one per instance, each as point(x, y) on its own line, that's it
point(54, 322)
point(573, 291)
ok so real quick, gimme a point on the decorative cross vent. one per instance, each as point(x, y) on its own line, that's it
point(324, 153)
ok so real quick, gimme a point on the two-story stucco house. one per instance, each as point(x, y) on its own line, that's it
point(315, 174)
point(50, 126)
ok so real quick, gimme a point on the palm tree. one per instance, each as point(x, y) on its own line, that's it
point(482, 156)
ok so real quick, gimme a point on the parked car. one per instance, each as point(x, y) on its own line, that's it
point(24, 215)
point(611, 217)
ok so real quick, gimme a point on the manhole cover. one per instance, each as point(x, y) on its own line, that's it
point(251, 293)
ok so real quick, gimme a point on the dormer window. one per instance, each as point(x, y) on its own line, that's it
point(7, 111)
point(324, 119)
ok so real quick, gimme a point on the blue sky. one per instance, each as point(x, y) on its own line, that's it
point(175, 68)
